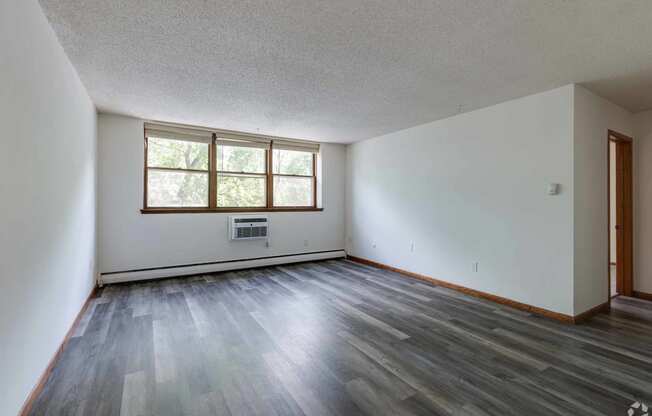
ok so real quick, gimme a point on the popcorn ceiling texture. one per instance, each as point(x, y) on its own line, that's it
point(345, 70)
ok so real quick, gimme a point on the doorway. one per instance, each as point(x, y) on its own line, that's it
point(620, 215)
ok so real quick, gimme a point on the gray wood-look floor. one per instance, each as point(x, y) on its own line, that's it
point(339, 338)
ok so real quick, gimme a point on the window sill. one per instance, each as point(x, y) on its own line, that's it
point(223, 210)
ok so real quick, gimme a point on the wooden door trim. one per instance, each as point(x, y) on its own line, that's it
point(615, 136)
point(625, 255)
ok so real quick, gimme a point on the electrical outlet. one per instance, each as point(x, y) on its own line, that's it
point(373, 245)
point(305, 243)
point(476, 266)
point(412, 247)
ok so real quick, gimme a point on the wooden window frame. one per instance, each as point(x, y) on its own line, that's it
point(164, 169)
point(227, 172)
point(270, 199)
point(212, 186)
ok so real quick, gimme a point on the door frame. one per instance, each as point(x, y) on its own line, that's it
point(624, 213)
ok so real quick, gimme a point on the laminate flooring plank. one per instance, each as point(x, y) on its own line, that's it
point(378, 281)
point(213, 404)
point(347, 363)
point(401, 370)
point(340, 338)
point(134, 395)
point(368, 398)
point(590, 368)
point(309, 403)
point(369, 320)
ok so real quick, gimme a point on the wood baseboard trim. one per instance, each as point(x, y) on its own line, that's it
point(488, 296)
point(642, 295)
point(585, 316)
point(38, 388)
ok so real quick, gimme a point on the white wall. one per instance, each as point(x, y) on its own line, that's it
point(129, 240)
point(47, 186)
point(473, 188)
point(593, 117)
point(643, 202)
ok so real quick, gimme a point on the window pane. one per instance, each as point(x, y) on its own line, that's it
point(240, 159)
point(241, 191)
point(176, 189)
point(292, 191)
point(290, 162)
point(165, 153)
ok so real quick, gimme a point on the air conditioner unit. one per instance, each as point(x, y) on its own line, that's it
point(248, 227)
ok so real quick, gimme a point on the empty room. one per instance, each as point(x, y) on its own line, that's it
point(329, 208)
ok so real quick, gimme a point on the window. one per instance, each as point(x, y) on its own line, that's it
point(177, 173)
point(241, 174)
point(188, 170)
point(294, 180)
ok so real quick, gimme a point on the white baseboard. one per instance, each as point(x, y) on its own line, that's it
point(160, 272)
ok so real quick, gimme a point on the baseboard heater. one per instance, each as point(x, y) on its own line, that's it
point(216, 266)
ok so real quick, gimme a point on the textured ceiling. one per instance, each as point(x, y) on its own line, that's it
point(345, 70)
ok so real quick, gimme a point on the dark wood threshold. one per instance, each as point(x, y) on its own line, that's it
point(38, 388)
point(483, 295)
point(223, 210)
point(642, 295)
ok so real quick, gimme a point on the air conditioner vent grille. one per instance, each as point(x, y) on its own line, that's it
point(251, 232)
point(248, 227)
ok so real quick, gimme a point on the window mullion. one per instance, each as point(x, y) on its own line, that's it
point(314, 181)
point(164, 169)
point(287, 175)
point(228, 172)
point(212, 174)
point(145, 180)
point(270, 178)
